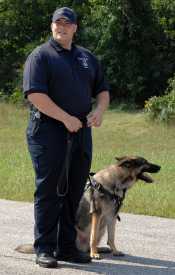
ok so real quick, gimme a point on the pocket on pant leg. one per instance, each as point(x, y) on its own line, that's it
point(39, 157)
point(33, 127)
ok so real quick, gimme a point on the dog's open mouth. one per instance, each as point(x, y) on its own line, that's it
point(153, 168)
point(145, 177)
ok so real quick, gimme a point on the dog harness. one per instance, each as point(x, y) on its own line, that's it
point(93, 185)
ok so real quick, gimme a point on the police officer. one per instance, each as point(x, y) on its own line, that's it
point(60, 79)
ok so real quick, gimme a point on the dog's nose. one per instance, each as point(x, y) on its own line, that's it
point(154, 168)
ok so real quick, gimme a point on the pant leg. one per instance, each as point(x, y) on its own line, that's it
point(79, 170)
point(47, 149)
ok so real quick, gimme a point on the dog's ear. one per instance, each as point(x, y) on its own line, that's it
point(117, 158)
point(125, 162)
point(120, 158)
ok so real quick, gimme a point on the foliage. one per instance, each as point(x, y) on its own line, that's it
point(164, 10)
point(162, 108)
point(128, 46)
point(135, 43)
point(22, 23)
point(16, 97)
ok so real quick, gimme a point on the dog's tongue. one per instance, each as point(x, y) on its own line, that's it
point(145, 177)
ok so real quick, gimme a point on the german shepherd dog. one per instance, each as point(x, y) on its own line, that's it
point(102, 199)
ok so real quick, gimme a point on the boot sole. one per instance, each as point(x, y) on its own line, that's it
point(47, 265)
point(73, 260)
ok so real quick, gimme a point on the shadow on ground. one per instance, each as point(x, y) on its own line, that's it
point(128, 264)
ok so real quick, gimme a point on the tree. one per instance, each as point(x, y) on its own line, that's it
point(135, 42)
point(24, 24)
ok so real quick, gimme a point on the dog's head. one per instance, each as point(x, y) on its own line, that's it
point(138, 167)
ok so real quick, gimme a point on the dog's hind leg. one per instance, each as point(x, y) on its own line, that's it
point(111, 222)
point(94, 235)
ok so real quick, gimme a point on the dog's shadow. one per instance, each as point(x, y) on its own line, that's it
point(127, 265)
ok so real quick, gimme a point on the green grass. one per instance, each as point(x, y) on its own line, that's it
point(121, 134)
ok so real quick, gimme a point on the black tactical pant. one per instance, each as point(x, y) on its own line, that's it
point(54, 215)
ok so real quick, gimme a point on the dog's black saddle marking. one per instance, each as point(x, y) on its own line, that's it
point(118, 200)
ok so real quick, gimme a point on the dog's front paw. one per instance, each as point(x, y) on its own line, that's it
point(118, 253)
point(95, 256)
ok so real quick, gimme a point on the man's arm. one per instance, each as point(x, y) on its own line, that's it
point(95, 117)
point(45, 104)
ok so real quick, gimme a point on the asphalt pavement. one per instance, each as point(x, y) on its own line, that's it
point(148, 244)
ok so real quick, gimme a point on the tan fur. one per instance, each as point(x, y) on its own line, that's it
point(25, 248)
point(115, 178)
point(91, 226)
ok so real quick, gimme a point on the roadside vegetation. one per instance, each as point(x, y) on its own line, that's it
point(122, 133)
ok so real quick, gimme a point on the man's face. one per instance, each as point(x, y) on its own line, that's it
point(63, 30)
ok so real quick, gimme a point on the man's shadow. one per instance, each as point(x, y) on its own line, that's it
point(127, 265)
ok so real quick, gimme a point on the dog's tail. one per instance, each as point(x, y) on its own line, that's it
point(25, 248)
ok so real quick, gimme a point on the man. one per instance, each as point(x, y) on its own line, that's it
point(60, 79)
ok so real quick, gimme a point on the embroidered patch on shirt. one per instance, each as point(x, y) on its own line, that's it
point(83, 60)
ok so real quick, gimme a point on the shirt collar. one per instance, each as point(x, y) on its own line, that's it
point(57, 46)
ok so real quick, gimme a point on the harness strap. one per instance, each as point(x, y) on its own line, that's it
point(99, 187)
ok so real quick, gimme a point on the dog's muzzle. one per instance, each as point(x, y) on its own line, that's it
point(149, 168)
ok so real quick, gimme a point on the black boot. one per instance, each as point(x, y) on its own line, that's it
point(73, 256)
point(46, 260)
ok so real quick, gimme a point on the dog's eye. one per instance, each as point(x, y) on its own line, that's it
point(127, 164)
point(140, 162)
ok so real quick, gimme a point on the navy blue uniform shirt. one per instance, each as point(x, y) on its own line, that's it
point(69, 77)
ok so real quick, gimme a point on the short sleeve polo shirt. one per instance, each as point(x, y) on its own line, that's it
point(69, 77)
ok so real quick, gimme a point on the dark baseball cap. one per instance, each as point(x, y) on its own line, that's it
point(65, 12)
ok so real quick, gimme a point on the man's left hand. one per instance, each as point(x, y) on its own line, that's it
point(94, 118)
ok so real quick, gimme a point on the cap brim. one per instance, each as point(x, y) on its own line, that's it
point(63, 17)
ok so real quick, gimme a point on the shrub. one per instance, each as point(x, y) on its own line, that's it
point(16, 97)
point(162, 108)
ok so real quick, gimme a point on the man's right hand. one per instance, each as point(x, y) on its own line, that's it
point(73, 124)
point(46, 105)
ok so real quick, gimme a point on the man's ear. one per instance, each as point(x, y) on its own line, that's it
point(51, 26)
point(75, 28)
